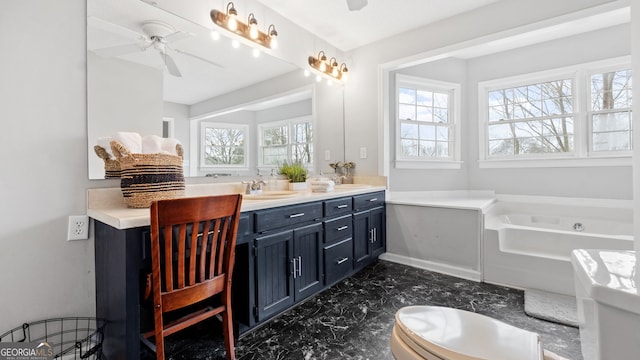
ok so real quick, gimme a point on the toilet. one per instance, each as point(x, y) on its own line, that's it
point(441, 333)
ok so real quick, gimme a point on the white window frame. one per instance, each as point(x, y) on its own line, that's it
point(454, 104)
point(581, 155)
point(218, 125)
point(289, 123)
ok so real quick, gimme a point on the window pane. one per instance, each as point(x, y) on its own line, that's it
point(425, 98)
point(408, 131)
point(441, 115)
point(611, 90)
point(442, 149)
point(611, 122)
point(500, 131)
point(442, 133)
point(501, 147)
point(274, 155)
point(427, 148)
point(427, 132)
point(302, 153)
point(557, 144)
point(406, 112)
point(424, 113)
point(409, 147)
point(557, 127)
point(274, 136)
point(497, 98)
point(440, 100)
point(528, 129)
point(611, 141)
point(302, 133)
point(407, 96)
point(497, 113)
point(223, 146)
point(528, 145)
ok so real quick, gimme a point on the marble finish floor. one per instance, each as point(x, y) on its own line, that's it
point(353, 319)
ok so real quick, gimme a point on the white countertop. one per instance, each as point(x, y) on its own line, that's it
point(107, 205)
point(470, 200)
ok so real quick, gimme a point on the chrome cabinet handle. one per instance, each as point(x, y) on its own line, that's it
point(341, 261)
point(296, 215)
point(375, 234)
point(299, 265)
point(295, 270)
point(371, 236)
point(374, 199)
point(342, 228)
point(342, 206)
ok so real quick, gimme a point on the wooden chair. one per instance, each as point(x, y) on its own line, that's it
point(193, 243)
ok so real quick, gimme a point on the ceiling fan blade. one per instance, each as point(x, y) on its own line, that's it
point(198, 58)
point(176, 36)
point(172, 68)
point(114, 51)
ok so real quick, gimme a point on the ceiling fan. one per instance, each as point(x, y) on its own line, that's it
point(157, 37)
point(355, 5)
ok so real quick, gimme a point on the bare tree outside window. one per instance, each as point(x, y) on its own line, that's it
point(289, 141)
point(224, 146)
point(536, 118)
point(610, 111)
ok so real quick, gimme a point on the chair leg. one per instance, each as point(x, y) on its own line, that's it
point(227, 333)
point(159, 338)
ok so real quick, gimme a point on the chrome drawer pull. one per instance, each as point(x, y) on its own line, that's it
point(342, 260)
point(374, 199)
point(342, 206)
point(296, 215)
point(342, 228)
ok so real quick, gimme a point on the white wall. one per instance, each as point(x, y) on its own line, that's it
point(595, 182)
point(44, 176)
point(180, 115)
point(121, 96)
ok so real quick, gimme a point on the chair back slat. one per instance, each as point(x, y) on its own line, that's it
point(215, 248)
point(181, 239)
point(195, 248)
point(221, 260)
point(168, 258)
point(203, 254)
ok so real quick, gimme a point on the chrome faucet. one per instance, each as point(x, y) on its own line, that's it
point(253, 186)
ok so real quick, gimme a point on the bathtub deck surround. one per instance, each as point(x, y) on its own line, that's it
point(353, 320)
point(438, 230)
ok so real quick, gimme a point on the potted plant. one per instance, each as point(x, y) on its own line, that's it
point(296, 172)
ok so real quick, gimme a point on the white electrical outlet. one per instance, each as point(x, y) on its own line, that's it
point(363, 153)
point(78, 227)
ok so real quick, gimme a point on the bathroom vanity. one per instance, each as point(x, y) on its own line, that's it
point(287, 250)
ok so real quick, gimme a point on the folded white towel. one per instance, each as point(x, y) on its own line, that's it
point(169, 145)
point(322, 182)
point(131, 140)
point(105, 143)
point(151, 144)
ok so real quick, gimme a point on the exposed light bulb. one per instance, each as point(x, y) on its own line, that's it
point(335, 72)
point(323, 66)
point(318, 78)
point(306, 73)
point(215, 35)
point(344, 76)
point(235, 43)
point(273, 42)
point(232, 24)
point(256, 52)
point(253, 27)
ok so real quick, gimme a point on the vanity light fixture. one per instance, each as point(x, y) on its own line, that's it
point(229, 21)
point(328, 68)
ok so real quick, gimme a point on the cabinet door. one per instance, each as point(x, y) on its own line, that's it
point(274, 281)
point(307, 259)
point(378, 229)
point(362, 236)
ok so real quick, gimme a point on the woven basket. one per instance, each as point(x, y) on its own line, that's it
point(145, 178)
point(111, 166)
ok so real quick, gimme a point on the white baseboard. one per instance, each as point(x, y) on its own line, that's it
point(468, 274)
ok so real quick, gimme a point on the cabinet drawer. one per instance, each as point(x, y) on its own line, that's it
point(368, 201)
point(338, 261)
point(338, 206)
point(287, 216)
point(338, 229)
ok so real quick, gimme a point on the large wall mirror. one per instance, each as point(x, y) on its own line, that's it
point(168, 88)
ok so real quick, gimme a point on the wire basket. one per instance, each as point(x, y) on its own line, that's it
point(70, 338)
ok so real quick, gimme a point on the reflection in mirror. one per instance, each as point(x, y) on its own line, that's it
point(152, 72)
